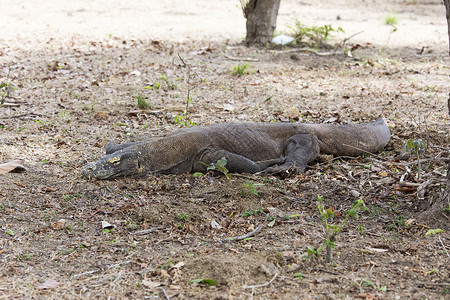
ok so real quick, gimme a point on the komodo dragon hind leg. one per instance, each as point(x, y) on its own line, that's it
point(300, 150)
point(236, 163)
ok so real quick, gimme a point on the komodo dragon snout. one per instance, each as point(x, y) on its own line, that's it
point(120, 163)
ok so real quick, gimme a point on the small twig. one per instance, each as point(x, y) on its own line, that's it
point(308, 51)
point(20, 116)
point(362, 150)
point(251, 177)
point(443, 246)
point(117, 278)
point(118, 264)
point(434, 283)
point(85, 273)
point(245, 236)
point(260, 285)
point(443, 159)
point(327, 271)
point(188, 97)
point(146, 231)
point(422, 187)
point(240, 58)
point(408, 184)
point(350, 37)
point(165, 294)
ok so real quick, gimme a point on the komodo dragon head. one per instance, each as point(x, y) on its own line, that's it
point(120, 163)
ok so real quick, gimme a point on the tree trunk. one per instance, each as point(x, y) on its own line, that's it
point(444, 201)
point(261, 18)
point(446, 197)
point(447, 8)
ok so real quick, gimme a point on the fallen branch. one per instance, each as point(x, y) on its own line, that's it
point(443, 246)
point(245, 236)
point(362, 150)
point(145, 231)
point(240, 58)
point(165, 294)
point(307, 50)
point(85, 273)
point(433, 283)
point(350, 37)
point(443, 159)
point(21, 115)
point(260, 285)
point(327, 271)
point(408, 184)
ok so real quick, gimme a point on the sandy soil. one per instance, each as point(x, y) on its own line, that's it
point(76, 69)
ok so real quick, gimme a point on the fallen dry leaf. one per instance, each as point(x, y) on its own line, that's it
point(60, 224)
point(368, 296)
point(49, 284)
point(151, 284)
point(178, 265)
point(215, 225)
point(14, 165)
point(106, 225)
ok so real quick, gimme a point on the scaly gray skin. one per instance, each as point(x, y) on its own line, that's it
point(248, 148)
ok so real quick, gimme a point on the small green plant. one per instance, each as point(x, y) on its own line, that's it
point(391, 19)
point(399, 222)
point(415, 146)
point(184, 120)
point(240, 70)
point(251, 187)
point(10, 232)
point(249, 213)
point(65, 115)
point(170, 85)
point(312, 252)
point(331, 230)
point(382, 288)
point(169, 264)
point(367, 283)
point(298, 276)
point(141, 102)
point(220, 166)
point(182, 217)
point(360, 229)
point(5, 87)
point(204, 281)
point(313, 36)
point(91, 111)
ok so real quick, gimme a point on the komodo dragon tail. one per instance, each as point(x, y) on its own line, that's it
point(352, 140)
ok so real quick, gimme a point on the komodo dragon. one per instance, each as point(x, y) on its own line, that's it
point(248, 148)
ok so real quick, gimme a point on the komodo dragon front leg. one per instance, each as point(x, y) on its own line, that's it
point(300, 149)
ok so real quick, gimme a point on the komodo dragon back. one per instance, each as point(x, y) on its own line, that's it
point(248, 148)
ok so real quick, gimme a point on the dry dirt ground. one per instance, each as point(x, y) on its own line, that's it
point(76, 69)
